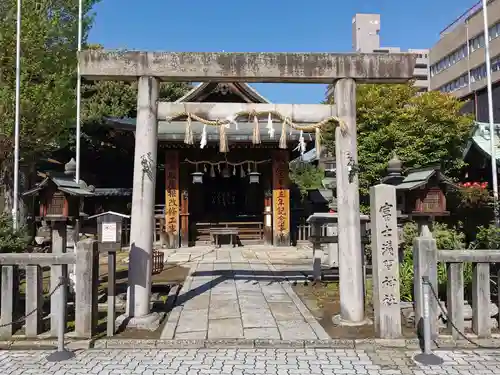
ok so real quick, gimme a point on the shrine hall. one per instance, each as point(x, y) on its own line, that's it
point(233, 176)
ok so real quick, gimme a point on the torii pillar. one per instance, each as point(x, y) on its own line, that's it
point(142, 215)
point(351, 275)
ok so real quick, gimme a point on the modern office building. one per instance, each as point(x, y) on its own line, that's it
point(366, 38)
point(457, 60)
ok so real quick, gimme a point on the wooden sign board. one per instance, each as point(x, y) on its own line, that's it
point(281, 199)
point(172, 196)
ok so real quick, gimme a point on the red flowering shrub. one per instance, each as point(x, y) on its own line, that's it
point(474, 194)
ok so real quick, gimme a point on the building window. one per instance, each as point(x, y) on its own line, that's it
point(476, 75)
point(456, 84)
point(476, 43)
point(495, 64)
point(494, 31)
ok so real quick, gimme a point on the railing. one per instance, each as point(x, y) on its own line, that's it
point(481, 293)
point(54, 267)
point(426, 258)
point(303, 232)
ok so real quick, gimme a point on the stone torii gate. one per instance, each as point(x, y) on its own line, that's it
point(342, 70)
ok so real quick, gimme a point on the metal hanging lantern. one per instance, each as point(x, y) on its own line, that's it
point(197, 176)
point(225, 172)
point(254, 177)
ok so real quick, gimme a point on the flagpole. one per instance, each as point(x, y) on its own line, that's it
point(493, 145)
point(15, 206)
point(78, 91)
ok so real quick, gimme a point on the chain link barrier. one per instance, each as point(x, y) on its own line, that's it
point(452, 324)
point(62, 281)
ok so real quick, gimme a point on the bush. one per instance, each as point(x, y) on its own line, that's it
point(12, 241)
point(446, 239)
point(487, 238)
point(307, 177)
point(474, 194)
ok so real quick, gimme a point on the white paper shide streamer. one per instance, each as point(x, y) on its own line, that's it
point(301, 147)
point(270, 128)
point(232, 120)
point(203, 141)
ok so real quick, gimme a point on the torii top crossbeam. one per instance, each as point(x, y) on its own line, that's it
point(248, 67)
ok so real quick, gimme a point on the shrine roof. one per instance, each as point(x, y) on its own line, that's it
point(420, 177)
point(308, 157)
point(481, 139)
point(112, 192)
point(110, 213)
point(64, 183)
point(243, 90)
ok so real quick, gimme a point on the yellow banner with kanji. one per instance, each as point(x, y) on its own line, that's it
point(281, 195)
point(172, 192)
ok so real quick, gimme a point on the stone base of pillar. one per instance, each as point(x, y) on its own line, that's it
point(338, 321)
point(150, 322)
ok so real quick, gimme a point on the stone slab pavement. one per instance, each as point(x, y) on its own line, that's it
point(248, 361)
point(241, 294)
point(287, 257)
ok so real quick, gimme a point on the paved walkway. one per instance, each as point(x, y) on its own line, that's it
point(236, 294)
point(247, 361)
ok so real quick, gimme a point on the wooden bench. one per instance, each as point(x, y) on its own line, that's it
point(215, 233)
point(247, 230)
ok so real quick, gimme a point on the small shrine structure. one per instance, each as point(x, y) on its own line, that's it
point(60, 196)
point(231, 172)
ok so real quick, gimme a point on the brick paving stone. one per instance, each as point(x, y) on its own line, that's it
point(248, 361)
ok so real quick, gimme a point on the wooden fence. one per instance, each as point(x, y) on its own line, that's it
point(481, 293)
point(46, 275)
point(426, 260)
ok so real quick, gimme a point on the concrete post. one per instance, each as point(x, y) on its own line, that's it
point(332, 248)
point(425, 264)
point(481, 313)
point(317, 252)
point(34, 300)
point(143, 198)
point(8, 274)
point(350, 254)
point(385, 262)
point(59, 236)
point(87, 274)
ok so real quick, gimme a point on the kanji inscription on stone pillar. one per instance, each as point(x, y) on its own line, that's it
point(385, 262)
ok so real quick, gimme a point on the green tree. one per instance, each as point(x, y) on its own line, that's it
point(11, 240)
point(48, 67)
point(306, 176)
point(421, 128)
point(113, 149)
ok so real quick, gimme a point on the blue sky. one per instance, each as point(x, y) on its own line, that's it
point(268, 26)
